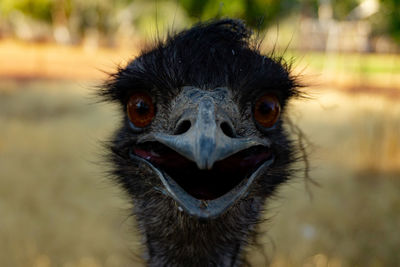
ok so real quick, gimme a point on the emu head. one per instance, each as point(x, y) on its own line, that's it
point(202, 145)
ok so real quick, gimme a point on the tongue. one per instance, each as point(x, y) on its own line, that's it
point(168, 160)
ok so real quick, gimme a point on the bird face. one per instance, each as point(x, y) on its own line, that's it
point(202, 120)
point(204, 165)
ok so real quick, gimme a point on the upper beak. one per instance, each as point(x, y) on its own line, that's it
point(205, 142)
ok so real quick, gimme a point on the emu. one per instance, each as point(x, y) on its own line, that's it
point(202, 144)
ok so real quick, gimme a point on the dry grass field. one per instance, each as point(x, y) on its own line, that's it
point(57, 207)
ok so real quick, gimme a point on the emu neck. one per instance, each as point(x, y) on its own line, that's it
point(195, 252)
point(172, 238)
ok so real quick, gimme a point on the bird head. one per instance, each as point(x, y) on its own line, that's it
point(202, 122)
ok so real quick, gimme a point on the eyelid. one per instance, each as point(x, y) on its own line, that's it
point(134, 128)
point(274, 92)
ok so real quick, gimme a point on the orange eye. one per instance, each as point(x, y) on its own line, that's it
point(140, 109)
point(267, 110)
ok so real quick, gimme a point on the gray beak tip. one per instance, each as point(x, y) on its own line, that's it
point(204, 163)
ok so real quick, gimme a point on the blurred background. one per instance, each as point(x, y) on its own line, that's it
point(57, 207)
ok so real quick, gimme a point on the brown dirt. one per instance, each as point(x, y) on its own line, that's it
point(22, 61)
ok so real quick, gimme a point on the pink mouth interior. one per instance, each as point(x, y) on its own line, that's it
point(205, 184)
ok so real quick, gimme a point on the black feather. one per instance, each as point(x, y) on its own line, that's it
point(208, 55)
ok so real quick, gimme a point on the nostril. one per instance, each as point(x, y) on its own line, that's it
point(227, 129)
point(183, 127)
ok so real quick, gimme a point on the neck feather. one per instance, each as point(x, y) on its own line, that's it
point(172, 238)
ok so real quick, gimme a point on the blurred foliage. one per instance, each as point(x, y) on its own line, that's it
point(388, 19)
point(341, 9)
point(257, 13)
point(106, 17)
point(39, 9)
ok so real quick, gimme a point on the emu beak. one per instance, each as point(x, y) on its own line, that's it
point(205, 144)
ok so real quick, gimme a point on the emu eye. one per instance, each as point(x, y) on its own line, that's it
point(267, 110)
point(140, 109)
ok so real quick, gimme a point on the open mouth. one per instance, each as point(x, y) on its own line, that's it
point(224, 176)
point(205, 194)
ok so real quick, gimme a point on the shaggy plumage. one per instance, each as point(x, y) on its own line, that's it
point(210, 55)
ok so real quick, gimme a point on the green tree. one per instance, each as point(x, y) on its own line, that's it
point(257, 13)
point(388, 19)
point(38, 9)
point(342, 8)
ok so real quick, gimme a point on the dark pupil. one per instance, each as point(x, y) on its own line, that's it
point(265, 107)
point(142, 108)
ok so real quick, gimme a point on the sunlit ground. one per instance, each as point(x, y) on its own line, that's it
point(57, 207)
